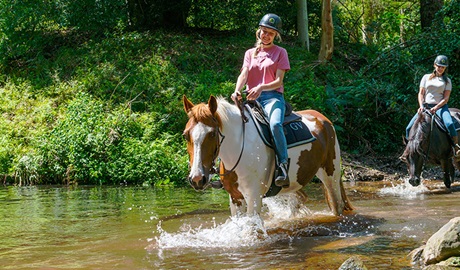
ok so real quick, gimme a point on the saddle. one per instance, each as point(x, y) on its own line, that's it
point(440, 123)
point(296, 132)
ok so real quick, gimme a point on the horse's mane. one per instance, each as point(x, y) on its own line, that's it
point(225, 109)
point(418, 134)
point(201, 113)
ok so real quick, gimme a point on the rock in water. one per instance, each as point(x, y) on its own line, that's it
point(444, 243)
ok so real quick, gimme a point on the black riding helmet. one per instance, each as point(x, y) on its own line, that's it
point(272, 21)
point(441, 60)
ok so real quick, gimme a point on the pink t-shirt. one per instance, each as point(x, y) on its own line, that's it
point(262, 68)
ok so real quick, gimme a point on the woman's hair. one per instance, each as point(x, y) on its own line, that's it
point(444, 75)
point(259, 44)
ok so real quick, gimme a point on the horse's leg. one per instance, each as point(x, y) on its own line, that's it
point(447, 167)
point(230, 182)
point(452, 172)
point(330, 176)
point(237, 208)
point(254, 201)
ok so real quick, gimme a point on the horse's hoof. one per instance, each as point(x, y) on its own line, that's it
point(447, 184)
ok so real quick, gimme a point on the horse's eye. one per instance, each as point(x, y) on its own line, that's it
point(214, 133)
point(186, 136)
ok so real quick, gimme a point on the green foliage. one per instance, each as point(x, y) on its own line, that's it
point(93, 146)
point(374, 105)
point(90, 102)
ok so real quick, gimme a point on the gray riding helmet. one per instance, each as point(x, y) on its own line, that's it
point(271, 21)
point(441, 60)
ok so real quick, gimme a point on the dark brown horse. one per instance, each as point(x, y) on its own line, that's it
point(428, 144)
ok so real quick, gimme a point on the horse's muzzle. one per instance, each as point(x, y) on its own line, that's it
point(198, 183)
point(414, 181)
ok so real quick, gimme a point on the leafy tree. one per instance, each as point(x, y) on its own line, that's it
point(428, 10)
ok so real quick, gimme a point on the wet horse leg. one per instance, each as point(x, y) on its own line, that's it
point(238, 208)
point(333, 187)
point(449, 172)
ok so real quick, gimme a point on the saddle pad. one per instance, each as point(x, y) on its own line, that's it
point(443, 127)
point(296, 132)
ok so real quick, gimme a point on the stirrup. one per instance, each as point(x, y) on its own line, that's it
point(282, 180)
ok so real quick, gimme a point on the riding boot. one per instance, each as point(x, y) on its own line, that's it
point(456, 147)
point(282, 180)
point(403, 158)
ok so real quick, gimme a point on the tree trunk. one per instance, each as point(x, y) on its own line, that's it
point(428, 10)
point(302, 23)
point(327, 36)
point(368, 21)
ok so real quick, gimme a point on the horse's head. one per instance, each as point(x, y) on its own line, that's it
point(414, 160)
point(203, 141)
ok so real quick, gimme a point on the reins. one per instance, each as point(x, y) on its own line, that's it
point(244, 120)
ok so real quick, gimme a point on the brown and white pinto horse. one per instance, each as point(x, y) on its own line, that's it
point(216, 130)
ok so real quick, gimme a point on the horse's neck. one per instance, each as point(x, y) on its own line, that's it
point(235, 134)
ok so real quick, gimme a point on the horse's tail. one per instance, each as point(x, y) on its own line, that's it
point(340, 201)
point(346, 201)
point(347, 207)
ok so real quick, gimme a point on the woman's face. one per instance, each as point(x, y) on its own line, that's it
point(439, 69)
point(267, 35)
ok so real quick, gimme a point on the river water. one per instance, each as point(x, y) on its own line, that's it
point(47, 227)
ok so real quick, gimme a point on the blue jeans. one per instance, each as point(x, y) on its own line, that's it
point(444, 113)
point(274, 106)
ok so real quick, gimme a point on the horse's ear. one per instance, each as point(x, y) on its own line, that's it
point(188, 105)
point(212, 104)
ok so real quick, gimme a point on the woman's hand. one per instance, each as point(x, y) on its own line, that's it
point(254, 93)
point(236, 96)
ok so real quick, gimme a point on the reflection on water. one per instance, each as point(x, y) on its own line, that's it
point(165, 228)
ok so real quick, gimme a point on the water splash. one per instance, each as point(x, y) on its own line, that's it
point(286, 206)
point(239, 231)
point(235, 232)
point(404, 189)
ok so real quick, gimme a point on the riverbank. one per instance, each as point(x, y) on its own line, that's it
point(381, 168)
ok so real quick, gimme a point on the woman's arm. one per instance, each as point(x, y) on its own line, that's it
point(255, 92)
point(443, 102)
point(421, 99)
point(240, 82)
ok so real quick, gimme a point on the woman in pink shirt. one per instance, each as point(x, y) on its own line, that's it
point(262, 73)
